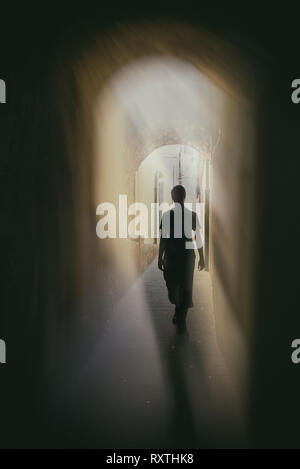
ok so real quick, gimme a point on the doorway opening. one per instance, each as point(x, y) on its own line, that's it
point(166, 167)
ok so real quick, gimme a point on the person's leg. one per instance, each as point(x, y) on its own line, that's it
point(181, 317)
point(181, 314)
point(176, 301)
point(175, 317)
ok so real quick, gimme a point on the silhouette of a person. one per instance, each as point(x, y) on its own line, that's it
point(177, 256)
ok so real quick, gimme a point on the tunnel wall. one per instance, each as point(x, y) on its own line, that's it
point(232, 240)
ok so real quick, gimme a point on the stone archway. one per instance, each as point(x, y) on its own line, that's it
point(174, 132)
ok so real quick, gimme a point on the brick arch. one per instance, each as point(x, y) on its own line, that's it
point(175, 132)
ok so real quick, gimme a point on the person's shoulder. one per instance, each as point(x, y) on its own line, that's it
point(165, 218)
point(167, 212)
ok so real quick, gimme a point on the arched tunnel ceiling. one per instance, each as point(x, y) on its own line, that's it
point(107, 55)
point(223, 63)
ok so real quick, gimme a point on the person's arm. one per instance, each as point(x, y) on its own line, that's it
point(201, 263)
point(162, 246)
point(199, 242)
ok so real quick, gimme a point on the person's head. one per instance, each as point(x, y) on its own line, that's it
point(178, 194)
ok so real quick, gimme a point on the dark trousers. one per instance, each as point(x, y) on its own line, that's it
point(178, 274)
point(181, 314)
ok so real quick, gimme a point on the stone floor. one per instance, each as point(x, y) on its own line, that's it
point(154, 387)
